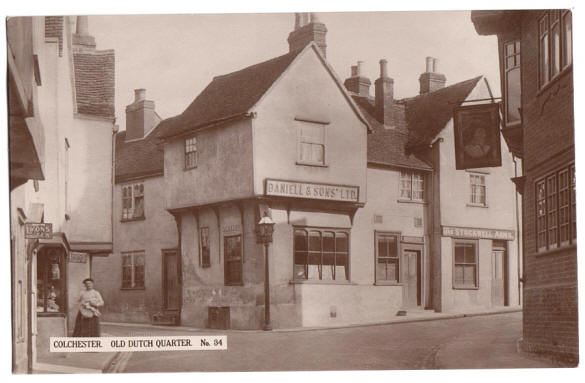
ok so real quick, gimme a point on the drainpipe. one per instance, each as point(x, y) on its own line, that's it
point(520, 254)
point(115, 129)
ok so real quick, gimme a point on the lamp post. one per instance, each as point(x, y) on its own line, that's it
point(264, 235)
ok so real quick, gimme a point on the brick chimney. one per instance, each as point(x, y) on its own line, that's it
point(81, 37)
point(384, 88)
point(308, 28)
point(140, 116)
point(357, 83)
point(431, 81)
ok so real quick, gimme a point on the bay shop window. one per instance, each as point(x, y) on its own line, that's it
point(555, 32)
point(51, 288)
point(321, 254)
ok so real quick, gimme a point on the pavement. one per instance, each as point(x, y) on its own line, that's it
point(470, 339)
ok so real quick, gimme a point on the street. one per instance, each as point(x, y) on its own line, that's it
point(471, 342)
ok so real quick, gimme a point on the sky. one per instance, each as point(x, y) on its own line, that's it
point(175, 56)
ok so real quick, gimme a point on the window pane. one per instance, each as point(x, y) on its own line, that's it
point(513, 95)
point(138, 207)
point(392, 246)
point(556, 49)
point(469, 253)
point(382, 247)
point(328, 241)
point(469, 275)
point(314, 241)
point(341, 267)
point(318, 153)
point(459, 254)
point(306, 152)
point(341, 242)
point(544, 67)
point(459, 275)
point(567, 39)
point(300, 240)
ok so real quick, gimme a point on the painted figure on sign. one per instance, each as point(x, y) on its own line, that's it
point(87, 323)
point(476, 147)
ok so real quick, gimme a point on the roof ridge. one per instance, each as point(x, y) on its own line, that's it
point(249, 67)
point(439, 91)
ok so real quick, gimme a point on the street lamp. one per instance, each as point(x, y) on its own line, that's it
point(264, 231)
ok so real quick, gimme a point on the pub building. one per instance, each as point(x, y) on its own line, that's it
point(371, 217)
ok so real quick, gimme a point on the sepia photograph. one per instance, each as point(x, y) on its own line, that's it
point(292, 191)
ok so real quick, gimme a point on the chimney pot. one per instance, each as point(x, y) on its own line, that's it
point(314, 18)
point(435, 65)
point(383, 68)
point(308, 29)
point(82, 27)
point(139, 94)
point(359, 67)
point(429, 65)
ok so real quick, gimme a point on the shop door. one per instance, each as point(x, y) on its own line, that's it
point(412, 278)
point(498, 274)
point(171, 284)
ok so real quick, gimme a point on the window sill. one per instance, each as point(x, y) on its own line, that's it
point(474, 205)
point(554, 80)
point(319, 282)
point(478, 170)
point(412, 201)
point(133, 219)
point(465, 288)
point(383, 283)
point(190, 168)
point(50, 315)
point(556, 250)
point(240, 284)
point(132, 288)
point(315, 164)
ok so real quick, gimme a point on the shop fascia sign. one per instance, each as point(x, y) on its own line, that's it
point(309, 190)
point(475, 233)
point(38, 230)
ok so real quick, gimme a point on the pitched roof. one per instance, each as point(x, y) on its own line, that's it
point(228, 96)
point(138, 158)
point(387, 146)
point(427, 114)
point(416, 121)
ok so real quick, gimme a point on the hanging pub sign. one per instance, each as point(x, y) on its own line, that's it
point(38, 230)
point(477, 136)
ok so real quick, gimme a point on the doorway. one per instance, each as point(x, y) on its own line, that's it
point(411, 260)
point(171, 281)
point(499, 274)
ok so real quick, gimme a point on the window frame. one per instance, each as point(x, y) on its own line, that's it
point(230, 282)
point(129, 213)
point(547, 21)
point(204, 256)
point(408, 176)
point(40, 294)
point(398, 257)
point(553, 212)
point(475, 243)
point(132, 254)
point(336, 231)
point(483, 177)
point(300, 142)
point(516, 56)
point(190, 153)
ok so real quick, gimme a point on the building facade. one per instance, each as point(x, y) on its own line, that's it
point(68, 87)
point(371, 216)
point(535, 49)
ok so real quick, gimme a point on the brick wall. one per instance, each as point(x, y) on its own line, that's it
point(550, 289)
point(54, 28)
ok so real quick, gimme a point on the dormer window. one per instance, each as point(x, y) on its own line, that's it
point(512, 82)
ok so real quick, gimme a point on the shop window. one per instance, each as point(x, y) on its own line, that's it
point(232, 249)
point(477, 194)
point(555, 30)
point(512, 81)
point(311, 144)
point(387, 258)
point(465, 267)
point(321, 254)
point(133, 201)
point(133, 270)
point(556, 209)
point(191, 153)
point(411, 186)
point(204, 243)
point(51, 291)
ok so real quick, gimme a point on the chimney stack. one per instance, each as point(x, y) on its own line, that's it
point(384, 89)
point(81, 37)
point(357, 83)
point(431, 81)
point(140, 116)
point(308, 29)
